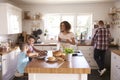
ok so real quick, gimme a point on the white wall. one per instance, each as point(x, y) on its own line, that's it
point(3, 0)
point(117, 4)
point(99, 10)
point(116, 27)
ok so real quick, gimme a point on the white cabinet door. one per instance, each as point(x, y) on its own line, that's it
point(5, 67)
point(115, 66)
point(9, 64)
point(14, 15)
point(39, 47)
point(53, 47)
point(47, 48)
point(88, 54)
point(11, 18)
point(12, 63)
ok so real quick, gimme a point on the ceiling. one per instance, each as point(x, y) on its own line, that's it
point(58, 1)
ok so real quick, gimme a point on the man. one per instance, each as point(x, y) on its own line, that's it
point(100, 41)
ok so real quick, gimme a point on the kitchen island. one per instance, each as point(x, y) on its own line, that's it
point(77, 69)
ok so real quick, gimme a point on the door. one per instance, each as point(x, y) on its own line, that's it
point(14, 20)
point(5, 67)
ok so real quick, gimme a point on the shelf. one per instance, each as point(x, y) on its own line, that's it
point(112, 14)
point(33, 19)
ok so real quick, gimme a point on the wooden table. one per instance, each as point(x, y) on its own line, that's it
point(77, 69)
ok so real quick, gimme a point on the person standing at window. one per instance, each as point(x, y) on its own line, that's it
point(66, 38)
point(100, 41)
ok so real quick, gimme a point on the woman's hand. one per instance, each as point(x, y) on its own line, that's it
point(68, 41)
point(59, 39)
point(72, 41)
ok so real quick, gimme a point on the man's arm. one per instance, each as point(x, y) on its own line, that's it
point(94, 37)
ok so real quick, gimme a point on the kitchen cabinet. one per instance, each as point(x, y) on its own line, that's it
point(89, 55)
point(9, 64)
point(38, 47)
point(11, 19)
point(5, 67)
point(46, 47)
point(115, 66)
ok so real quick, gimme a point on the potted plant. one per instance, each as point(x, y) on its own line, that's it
point(68, 52)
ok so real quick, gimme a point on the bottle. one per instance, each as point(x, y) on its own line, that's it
point(81, 36)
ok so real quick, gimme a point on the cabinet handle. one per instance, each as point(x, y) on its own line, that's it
point(114, 57)
point(117, 66)
point(4, 59)
point(89, 54)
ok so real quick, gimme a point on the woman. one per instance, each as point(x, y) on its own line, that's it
point(66, 38)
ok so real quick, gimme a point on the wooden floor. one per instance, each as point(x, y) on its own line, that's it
point(93, 76)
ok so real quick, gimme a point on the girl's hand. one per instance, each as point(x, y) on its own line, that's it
point(59, 39)
point(43, 53)
point(36, 54)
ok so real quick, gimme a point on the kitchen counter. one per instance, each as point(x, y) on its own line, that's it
point(83, 44)
point(77, 67)
point(45, 44)
point(55, 44)
point(10, 50)
point(116, 52)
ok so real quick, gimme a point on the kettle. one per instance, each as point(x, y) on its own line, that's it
point(39, 40)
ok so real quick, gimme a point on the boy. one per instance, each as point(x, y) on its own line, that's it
point(23, 59)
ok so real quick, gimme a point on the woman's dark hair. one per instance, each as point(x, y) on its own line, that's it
point(31, 36)
point(67, 25)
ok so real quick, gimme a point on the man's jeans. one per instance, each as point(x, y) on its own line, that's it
point(99, 56)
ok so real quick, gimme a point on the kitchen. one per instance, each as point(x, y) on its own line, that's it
point(99, 10)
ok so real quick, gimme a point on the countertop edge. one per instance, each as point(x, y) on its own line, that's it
point(6, 52)
point(116, 52)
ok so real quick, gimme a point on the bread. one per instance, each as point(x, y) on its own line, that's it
point(63, 56)
point(51, 59)
point(60, 59)
point(57, 53)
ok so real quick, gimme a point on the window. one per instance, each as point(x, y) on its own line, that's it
point(80, 23)
point(51, 25)
point(70, 19)
point(84, 25)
